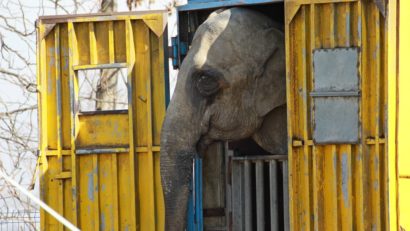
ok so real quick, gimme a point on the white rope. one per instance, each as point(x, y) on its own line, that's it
point(43, 205)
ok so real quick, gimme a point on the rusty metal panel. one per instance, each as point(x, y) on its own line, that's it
point(99, 168)
point(336, 69)
point(337, 186)
point(336, 92)
point(336, 120)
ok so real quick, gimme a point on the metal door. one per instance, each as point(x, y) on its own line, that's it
point(337, 107)
point(99, 168)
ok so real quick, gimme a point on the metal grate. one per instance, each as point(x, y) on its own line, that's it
point(259, 193)
point(19, 220)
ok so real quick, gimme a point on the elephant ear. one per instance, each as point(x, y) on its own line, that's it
point(270, 91)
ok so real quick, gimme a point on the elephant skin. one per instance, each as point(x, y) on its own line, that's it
point(231, 86)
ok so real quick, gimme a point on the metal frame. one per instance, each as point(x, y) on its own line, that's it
point(130, 39)
point(210, 4)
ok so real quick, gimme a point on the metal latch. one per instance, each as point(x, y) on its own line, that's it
point(177, 50)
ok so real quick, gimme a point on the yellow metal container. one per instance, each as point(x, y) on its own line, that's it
point(100, 170)
point(403, 116)
point(338, 182)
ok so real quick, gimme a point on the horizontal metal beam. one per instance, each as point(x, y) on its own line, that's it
point(88, 151)
point(55, 152)
point(209, 4)
point(102, 112)
point(63, 175)
point(335, 94)
point(100, 66)
point(404, 177)
point(97, 17)
point(259, 158)
point(85, 151)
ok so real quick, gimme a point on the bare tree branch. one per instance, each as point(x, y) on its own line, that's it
point(9, 113)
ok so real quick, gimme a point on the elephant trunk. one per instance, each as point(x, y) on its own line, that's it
point(178, 147)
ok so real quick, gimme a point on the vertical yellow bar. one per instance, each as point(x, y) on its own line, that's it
point(403, 123)
point(145, 159)
point(376, 161)
point(392, 115)
point(42, 99)
point(367, 118)
point(344, 171)
point(114, 162)
point(111, 53)
point(93, 60)
point(345, 187)
point(58, 87)
point(93, 43)
point(60, 196)
point(315, 175)
point(130, 57)
point(290, 112)
point(73, 60)
point(115, 186)
point(330, 187)
point(158, 104)
point(96, 201)
point(304, 76)
point(330, 151)
point(357, 154)
point(150, 218)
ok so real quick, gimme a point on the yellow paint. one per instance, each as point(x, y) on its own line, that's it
point(103, 130)
point(120, 190)
point(403, 144)
point(72, 60)
point(337, 186)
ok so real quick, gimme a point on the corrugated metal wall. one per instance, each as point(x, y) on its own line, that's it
point(337, 186)
point(101, 170)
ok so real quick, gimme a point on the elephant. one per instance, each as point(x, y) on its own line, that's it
point(230, 86)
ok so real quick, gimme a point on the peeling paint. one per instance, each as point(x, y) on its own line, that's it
point(102, 226)
point(376, 185)
point(50, 86)
point(347, 28)
point(345, 179)
point(74, 193)
point(376, 164)
point(90, 186)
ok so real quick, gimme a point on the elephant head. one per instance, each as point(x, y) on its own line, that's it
point(231, 86)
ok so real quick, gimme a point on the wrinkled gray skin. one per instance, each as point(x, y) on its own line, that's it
point(230, 86)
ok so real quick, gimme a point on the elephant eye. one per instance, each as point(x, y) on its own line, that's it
point(207, 85)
